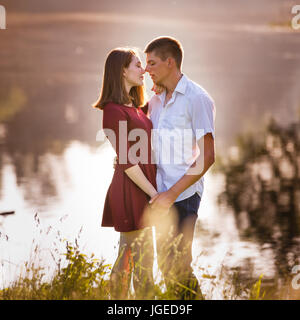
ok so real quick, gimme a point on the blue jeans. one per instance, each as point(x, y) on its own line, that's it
point(188, 210)
point(175, 261)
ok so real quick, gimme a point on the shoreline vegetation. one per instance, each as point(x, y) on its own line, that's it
point(82, 277)
point(79, 276)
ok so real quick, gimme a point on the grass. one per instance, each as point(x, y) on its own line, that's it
point(78, 276)
point(84, 277)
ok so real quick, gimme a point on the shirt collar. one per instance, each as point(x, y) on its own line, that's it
point(162, 96)
point(181, 87)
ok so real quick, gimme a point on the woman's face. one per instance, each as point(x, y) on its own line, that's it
point(133, 75)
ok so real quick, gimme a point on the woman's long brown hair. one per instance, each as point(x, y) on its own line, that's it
point(113, 87)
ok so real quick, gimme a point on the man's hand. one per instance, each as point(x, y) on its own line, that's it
point(163, 201)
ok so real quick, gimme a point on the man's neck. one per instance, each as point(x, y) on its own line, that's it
point(172, 82)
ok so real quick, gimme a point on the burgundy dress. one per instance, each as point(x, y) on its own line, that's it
point(125, 201)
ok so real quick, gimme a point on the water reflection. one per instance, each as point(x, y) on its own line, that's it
point(81, 177)
point(262, 186)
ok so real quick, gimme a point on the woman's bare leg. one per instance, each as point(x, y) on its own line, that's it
point(121, 272)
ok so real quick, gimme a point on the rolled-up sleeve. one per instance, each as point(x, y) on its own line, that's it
point(203, 115)
point(115, 127)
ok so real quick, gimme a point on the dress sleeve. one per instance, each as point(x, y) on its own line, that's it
point(203, 114)
point(115, 127)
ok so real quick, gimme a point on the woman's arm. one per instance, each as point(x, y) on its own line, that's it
point(136, 174)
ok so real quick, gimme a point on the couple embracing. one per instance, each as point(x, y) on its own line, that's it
point(146, 190)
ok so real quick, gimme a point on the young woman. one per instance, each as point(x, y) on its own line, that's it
point(134, 182)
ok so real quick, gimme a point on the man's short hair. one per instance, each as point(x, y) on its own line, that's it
point(165, 47)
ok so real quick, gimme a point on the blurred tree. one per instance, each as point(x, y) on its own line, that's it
point(12, 104)
point(262, 185)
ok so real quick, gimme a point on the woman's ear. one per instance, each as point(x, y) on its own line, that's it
point(124, 72)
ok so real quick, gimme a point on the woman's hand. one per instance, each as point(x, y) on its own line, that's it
point(115, 162)
point(153, 195)
point(157, 89)
point(163, 201)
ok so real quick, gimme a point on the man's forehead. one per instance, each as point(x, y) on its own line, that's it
point(151, 56)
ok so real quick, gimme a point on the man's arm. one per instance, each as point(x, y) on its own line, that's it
point(165, 199)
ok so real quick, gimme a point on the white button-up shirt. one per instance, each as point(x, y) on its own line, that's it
point(177, 126)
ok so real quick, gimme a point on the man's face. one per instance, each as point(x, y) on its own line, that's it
point(157, 68)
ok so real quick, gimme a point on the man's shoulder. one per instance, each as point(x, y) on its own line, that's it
point(195, 91)
point(199, 98)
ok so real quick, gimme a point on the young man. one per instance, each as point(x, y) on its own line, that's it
point(183, 110)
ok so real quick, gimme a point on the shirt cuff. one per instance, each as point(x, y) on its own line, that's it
point(202, 132)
